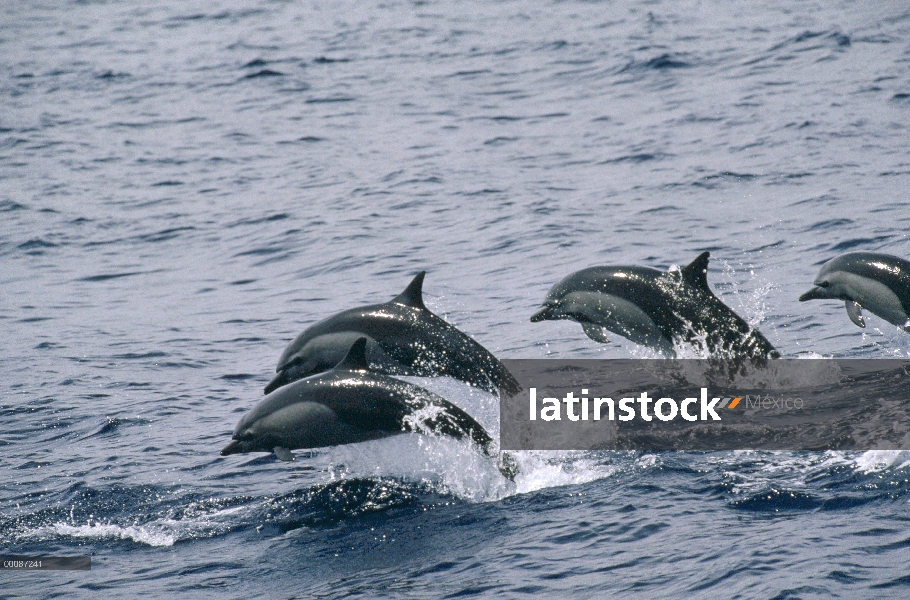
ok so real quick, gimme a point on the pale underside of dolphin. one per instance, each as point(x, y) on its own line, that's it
point(348, 404)
point(879, 283)
point(403, 338)
point(655, 309)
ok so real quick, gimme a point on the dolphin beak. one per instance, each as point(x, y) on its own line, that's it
point(291, 372)
point(279, 380)
point(813, 294)
point(541, 315)
point(232, 448)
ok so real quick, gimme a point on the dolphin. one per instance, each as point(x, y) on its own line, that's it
point(403, 338)
point(880, 283)
point(654, 309)
point(348, 404)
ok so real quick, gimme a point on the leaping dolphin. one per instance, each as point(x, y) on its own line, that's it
point(880, 283)
point(403, 338)
point(351, 403)
point(654, 309)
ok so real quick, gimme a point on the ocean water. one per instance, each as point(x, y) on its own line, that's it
point(185, 186)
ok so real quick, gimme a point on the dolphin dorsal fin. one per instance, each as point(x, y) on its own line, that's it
point(696, 272)
point(413, 294)
point(356, 360)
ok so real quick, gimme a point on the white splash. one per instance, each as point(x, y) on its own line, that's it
point(153, 534)
point(166, 531)
point(873, 461)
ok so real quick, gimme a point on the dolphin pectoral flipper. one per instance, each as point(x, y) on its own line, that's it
point(283, 453)
point(855, 313)
point(595, 332)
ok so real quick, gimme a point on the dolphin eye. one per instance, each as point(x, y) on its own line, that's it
point(823, 284)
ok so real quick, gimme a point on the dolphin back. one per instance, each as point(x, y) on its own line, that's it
point(643, 286)
point(632, 282)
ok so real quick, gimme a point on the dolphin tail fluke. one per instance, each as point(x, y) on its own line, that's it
point(413, 294)
point(756, 346)
point(508, 466)
point(508, 385)
point(456, 423)
point(854, 311)
point(448, 419)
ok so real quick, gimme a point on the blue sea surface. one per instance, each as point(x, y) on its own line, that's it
point(186, 186)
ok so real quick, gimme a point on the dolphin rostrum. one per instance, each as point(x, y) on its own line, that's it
point(348, 404)
point(655, 309)
point(403, 338)
point(880, 283)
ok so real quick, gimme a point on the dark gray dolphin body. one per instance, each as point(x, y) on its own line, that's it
point(654, 309)
point(349, 404)
point(880, 283)
point(403, 338)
